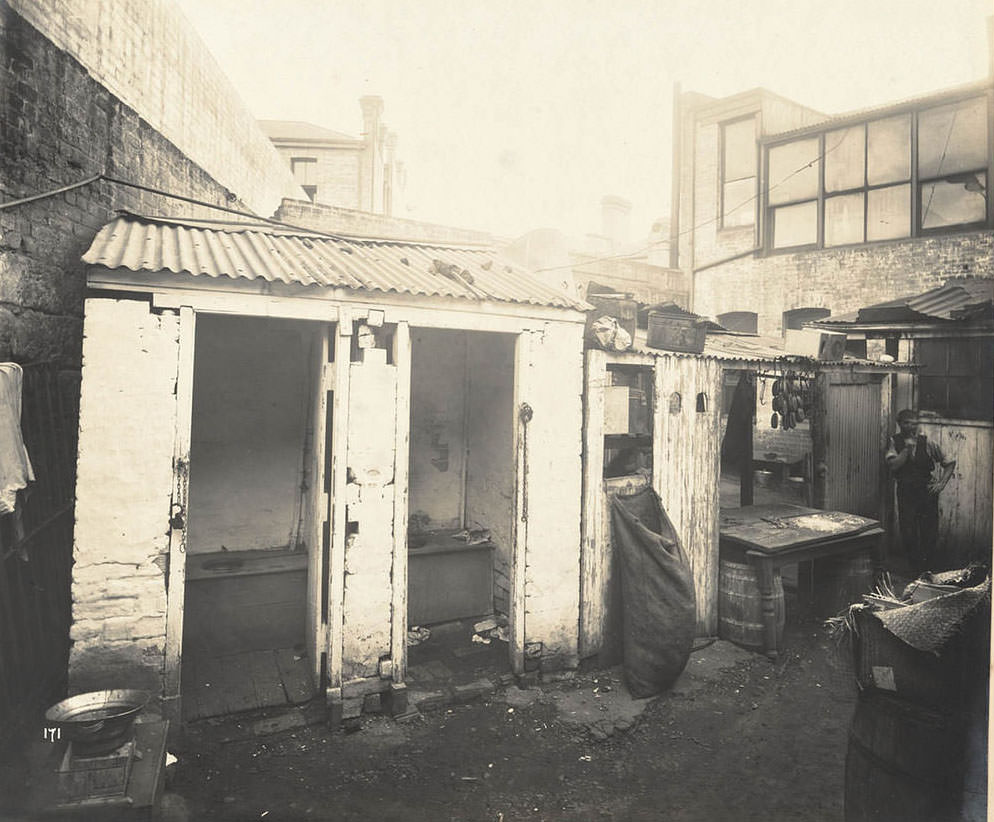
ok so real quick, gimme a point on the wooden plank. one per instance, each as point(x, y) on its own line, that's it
point(339, 481)
point(323, 376)
point(209, 687)
point(592, 545)
point(519, 542)
point(179, 514)
point(261, 668)
point(236, 684)
point(295, 673)
point(402, 429)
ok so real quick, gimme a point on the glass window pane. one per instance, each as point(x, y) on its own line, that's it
point(844, 219)
point(795, 225)
point(845, 152)
point(793, 173)
point(739, 203)
point(888, 213)
point(888, 150)
point(952, 138)
point(957, 200)
point(740, 149)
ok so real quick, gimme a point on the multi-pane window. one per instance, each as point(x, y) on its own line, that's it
point(738, 173)
point(897, 176)
point(956, 378)
point(305, 174)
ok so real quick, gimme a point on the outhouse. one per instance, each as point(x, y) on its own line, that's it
point(294, 446)
point(697, 428)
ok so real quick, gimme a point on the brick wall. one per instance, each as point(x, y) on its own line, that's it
point(364, 224)
point(840, 280)
point(58, 125)
point(146, 54)
point(336, 173)
point(127, 422)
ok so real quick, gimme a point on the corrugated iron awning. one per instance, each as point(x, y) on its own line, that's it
point(962, 298)
point(288, 255)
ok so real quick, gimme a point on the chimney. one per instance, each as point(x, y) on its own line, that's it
point(371, 168)
point(372, 111)
point(615, 213)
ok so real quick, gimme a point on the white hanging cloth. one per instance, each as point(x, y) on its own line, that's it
point(15, 466)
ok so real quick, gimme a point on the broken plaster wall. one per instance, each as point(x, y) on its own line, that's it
point(123, 489)
point(552, 387)
point(490, 472)
point(438, 441)
point(250, 400)
point(367, 626)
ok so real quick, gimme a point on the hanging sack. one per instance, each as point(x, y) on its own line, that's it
point(659, 608)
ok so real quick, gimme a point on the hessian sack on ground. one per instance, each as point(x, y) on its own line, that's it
point(659, 609)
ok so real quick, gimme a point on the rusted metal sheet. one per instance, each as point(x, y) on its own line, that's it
point(853, 453)
point(280, 254)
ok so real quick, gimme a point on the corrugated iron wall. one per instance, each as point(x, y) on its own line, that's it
point(853, 455)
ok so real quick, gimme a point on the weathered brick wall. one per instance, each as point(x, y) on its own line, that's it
point(364, 224)
point(58, 126)
point(127, 423)
point(148, 55)
point(336, 173)
point(840, 280)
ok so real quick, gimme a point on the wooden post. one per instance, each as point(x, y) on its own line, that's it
point(519, 541)
point(398, 636)
point(179, 509)
point(885, 511)
point(339, 476)
point(747, 383)
point(819, 440)
point(592, 547)
point(320, 517)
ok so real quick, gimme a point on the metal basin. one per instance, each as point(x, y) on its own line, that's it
point(99, 721)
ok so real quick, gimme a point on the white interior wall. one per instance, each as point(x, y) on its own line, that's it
point(490, 469)
point(438, 405)
point(250, 400)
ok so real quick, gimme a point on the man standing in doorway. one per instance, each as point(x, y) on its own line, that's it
point(912, 459)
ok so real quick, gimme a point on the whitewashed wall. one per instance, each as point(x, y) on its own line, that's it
point(551, 382)
point(123, 488)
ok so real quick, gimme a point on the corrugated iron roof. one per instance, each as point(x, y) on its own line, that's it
point(748, 349)
point(298, 256)
point(957, 299)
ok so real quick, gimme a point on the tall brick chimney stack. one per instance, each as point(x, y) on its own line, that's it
point(615, 219)
point(371, 172)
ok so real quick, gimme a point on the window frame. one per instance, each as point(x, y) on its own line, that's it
point(915, 182)
point(723, 181)
point(977, 379)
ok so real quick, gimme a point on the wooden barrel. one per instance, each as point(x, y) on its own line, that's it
point(903, 762)
point(740, 607)
point(841, 581)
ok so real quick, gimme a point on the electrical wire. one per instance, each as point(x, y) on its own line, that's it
point(704, 223)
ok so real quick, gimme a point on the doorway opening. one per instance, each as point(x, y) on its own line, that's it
point(245, 642)
point(461, 495)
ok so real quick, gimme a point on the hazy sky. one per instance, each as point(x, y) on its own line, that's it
point(515, 115)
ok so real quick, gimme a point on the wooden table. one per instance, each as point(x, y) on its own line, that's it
point(771, 536)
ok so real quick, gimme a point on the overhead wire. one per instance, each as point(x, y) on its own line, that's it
point(704, 223)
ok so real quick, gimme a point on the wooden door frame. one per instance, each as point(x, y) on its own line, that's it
point(179, 514)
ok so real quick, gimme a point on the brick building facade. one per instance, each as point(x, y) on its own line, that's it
point(787, 215)
point(337, 169)
point(85, 93)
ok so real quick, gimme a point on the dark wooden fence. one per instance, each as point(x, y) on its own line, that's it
point(36, 554)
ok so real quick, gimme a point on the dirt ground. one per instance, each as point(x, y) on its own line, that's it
point(748, 740)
